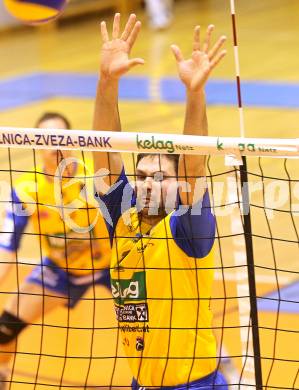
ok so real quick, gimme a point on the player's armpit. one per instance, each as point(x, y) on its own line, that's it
point(116, 201)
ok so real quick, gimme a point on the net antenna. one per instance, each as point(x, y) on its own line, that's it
point(251, 374)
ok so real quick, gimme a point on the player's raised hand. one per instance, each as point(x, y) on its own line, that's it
point(115, 59)
point(194, 72)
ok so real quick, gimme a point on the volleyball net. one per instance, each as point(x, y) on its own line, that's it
point(254, 191)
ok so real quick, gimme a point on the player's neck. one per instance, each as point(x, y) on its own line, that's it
point(151, 220)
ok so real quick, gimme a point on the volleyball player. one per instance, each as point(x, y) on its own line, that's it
point(73, 240)
point(160, 13)
point(162, 260)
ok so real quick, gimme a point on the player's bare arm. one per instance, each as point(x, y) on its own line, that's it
point(194, 73)
point(115, 62)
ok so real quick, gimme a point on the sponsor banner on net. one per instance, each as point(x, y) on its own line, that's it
point(156, 143)
point(247, 147)
point(146, 143)
point(161, 143)
point(55, 140)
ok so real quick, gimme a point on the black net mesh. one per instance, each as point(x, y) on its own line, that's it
point(73, 339)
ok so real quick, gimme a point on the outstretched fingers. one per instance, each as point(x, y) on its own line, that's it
point(116, 26)
point(196, 41)
point(216, 47)
point(129, 27)
point(133, 35)
point(207, 40)
point(177, 53)
point(104, 32)
point(218, 57)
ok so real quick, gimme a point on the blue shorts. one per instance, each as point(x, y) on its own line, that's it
point(73, 287)
point(214, 381)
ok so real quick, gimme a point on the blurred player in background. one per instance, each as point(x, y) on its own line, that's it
point(73, 240)
point(160, 13)
point(162, 258)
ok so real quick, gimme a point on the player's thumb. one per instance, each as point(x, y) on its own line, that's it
point(177, 53)
point(135, 61)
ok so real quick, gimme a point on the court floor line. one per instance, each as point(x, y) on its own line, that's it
point(28, 88)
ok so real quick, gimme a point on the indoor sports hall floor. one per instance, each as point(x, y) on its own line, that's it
point(56, 69)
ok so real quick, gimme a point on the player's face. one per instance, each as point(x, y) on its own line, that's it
point(156, 184)
point(52, 158)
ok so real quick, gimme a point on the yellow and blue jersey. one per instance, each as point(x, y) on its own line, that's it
point(61, 213)
point(161, 280)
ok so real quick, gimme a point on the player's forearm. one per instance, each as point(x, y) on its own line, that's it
point(196, 117)
point(106, 115)
point(191, 167)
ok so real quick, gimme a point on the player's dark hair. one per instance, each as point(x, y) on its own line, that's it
point(172, 157)
point(53, 115)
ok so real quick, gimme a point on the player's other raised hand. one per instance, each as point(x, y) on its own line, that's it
point(116, 49)
point(195, 71)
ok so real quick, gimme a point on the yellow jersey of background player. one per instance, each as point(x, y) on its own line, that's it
point(73, 246)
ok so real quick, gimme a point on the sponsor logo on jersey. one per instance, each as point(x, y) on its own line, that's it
point(128, 290)
point(132, 313)
point(144, 328)
point(125, 293)
point(139, 344)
